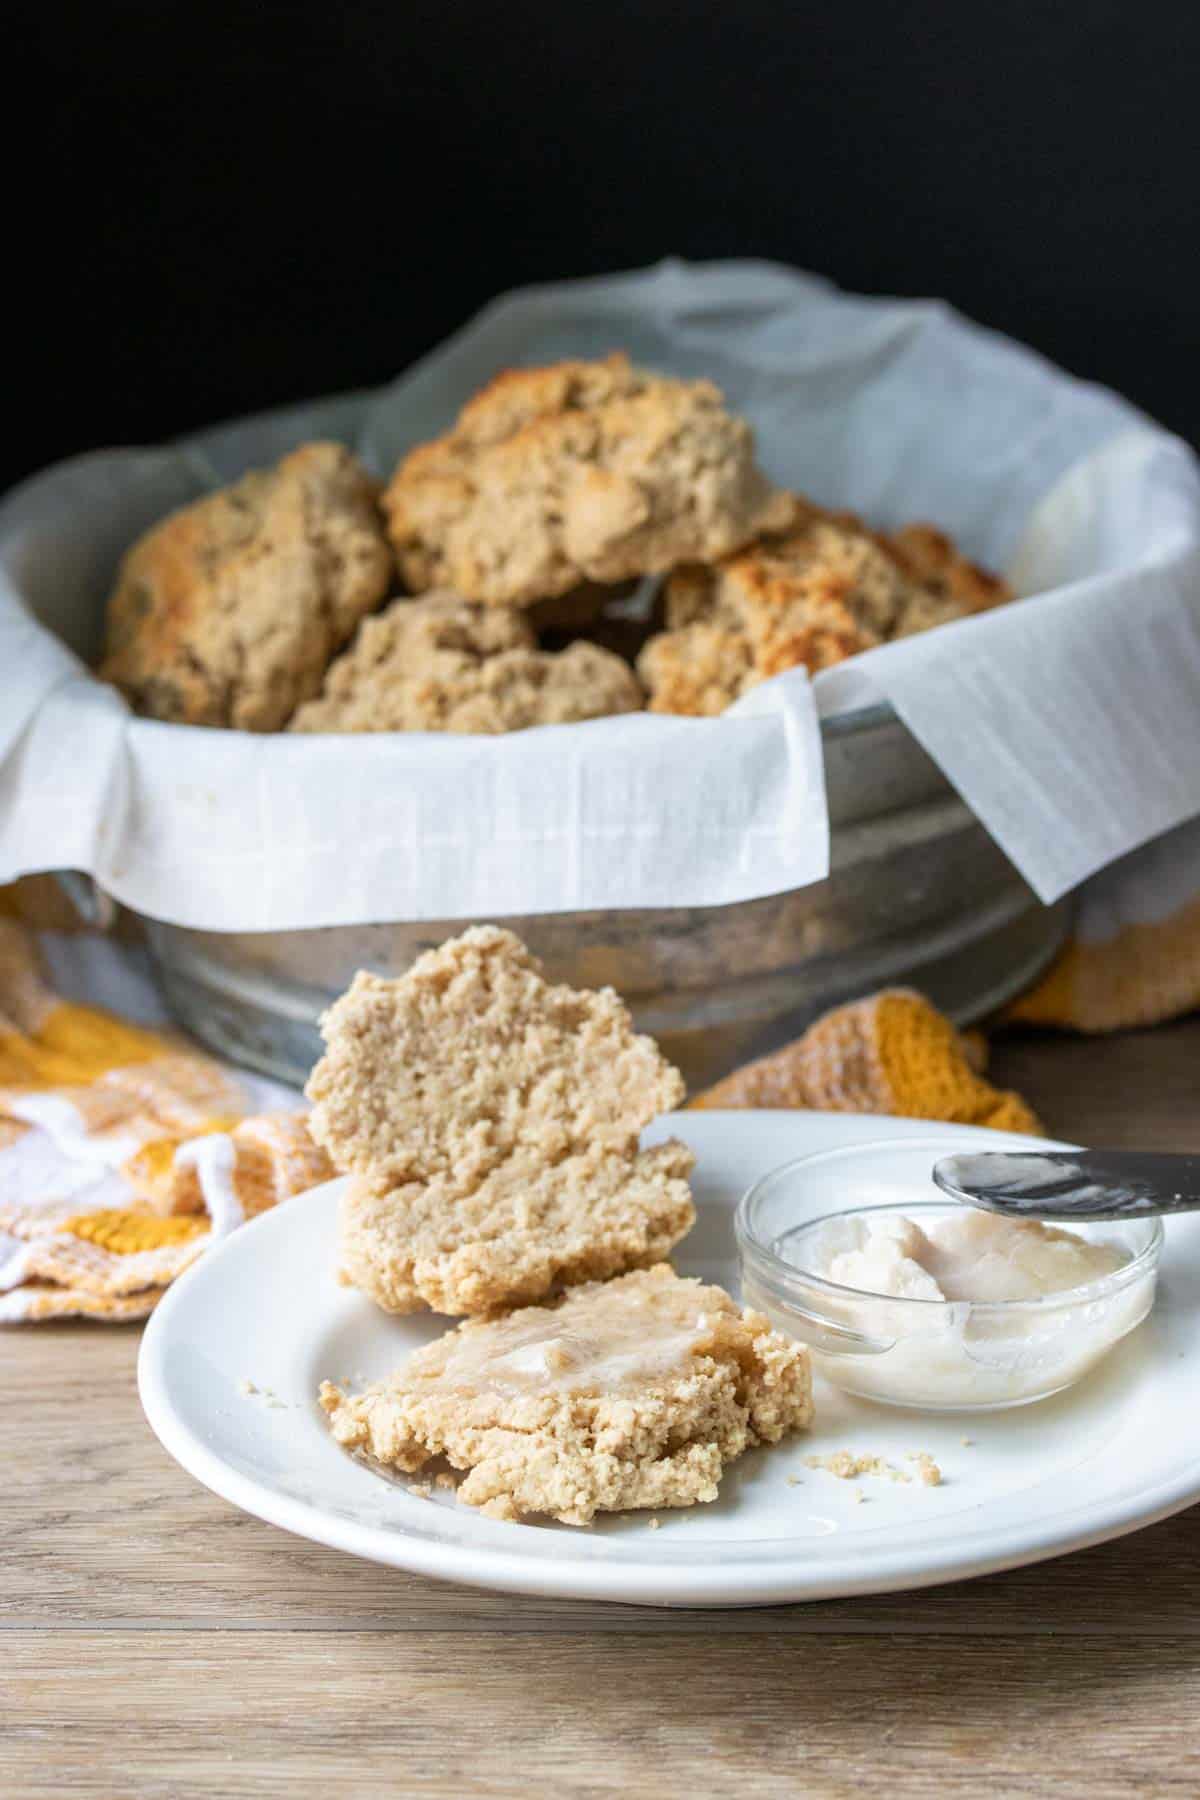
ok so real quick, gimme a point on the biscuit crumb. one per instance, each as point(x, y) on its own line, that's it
point(653, 1524)
point(928, 1471)
point(794, 1481)
point(966, 1442)
point(848, 1467)
point(246, 1386)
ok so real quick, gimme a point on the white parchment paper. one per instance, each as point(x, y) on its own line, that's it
point(1070, 721)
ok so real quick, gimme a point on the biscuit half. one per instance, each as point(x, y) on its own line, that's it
point(491, 1120)
point(631, 1393)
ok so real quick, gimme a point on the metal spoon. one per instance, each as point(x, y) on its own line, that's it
point(1073, 1184)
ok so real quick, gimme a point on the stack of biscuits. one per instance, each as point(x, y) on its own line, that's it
point(488, 1121)
point(588, 539)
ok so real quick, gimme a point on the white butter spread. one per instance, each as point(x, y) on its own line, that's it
point(1013, 1309)
point(970, 1255)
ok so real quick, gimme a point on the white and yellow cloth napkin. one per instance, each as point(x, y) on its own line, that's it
point(123, 1154)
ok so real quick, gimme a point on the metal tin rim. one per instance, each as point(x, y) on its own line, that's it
point(860, 718)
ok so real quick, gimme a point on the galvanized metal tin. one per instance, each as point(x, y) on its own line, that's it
point(917, 893)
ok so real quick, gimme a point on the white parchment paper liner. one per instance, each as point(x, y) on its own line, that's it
point(1071, 723)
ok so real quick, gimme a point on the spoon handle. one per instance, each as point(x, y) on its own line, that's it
point(1073, 1184)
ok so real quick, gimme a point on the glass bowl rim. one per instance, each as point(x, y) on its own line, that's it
point(755, 1249)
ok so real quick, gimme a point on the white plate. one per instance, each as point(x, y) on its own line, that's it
point(1119, 1451)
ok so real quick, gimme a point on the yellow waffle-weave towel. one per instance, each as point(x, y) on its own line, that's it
point(893, 1053)
point(1135, 955)
point(123, 1156)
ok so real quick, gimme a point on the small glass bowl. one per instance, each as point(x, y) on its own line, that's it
point(939, 1355)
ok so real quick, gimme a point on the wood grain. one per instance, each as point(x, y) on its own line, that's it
point(157, 1642)
point(444, 1715)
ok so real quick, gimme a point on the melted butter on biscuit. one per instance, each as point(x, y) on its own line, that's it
point(625, 1343)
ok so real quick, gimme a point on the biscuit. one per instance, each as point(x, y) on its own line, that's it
point(491, 1120)
point(228, 612)
point(696, 669)
point(528, 1229)
point(629, 1393)
point(581, 471)
point(815, 560)
point(808, 596)
point(445, 664)
point(935, 563)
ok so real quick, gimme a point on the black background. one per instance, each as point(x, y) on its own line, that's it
point(218, 209)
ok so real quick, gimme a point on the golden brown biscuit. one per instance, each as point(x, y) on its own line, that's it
point(935, 563)
point(808, 596)
point(228, 612)
point(445, 664)
point(492, 1121)
point(630, 1393)
point(582, 471)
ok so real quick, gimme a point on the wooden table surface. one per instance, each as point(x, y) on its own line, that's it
point(157, 1642)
